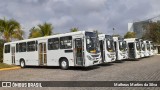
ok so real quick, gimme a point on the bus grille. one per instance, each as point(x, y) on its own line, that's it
point(95, 55)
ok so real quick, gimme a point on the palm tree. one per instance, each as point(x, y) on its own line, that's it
point(35, 32)
point(74, 29)
point(45, 29)
point(42, 30)
point(18, 34)
point(10, 29)
point(1, 50)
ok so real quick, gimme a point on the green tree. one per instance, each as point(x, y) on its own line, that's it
point(96, 31)
point(10, 29)
point(44, 29)
point(1, 50)
point(35, 32)
point(74, 29)
point(130, 35)
point(116, 35)
point(152, 32)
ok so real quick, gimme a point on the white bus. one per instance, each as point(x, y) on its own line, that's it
point(155, 50)
point(151, 48)
point(70, 49)
point(147, 47)
point(120, 48)
point(107, 48)
point(133, 47)
point(142, 48)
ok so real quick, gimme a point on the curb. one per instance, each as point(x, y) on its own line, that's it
point(13, 68)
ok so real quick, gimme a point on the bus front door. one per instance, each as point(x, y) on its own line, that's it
point(13, 54)
point(131, 50)
point(102, 50)
point(116, 49)
point(78, 52)
point(42, 54)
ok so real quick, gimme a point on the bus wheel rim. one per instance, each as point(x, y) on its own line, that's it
point(22, 64)
point(64, 63)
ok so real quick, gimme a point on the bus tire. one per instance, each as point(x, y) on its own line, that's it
point(64, 64)
point(22, 63)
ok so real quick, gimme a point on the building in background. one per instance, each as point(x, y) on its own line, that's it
point(138, 27)
point(130, 27)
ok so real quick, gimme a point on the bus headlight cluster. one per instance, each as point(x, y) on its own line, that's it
point(121, 54)
point(109, 55)
point(89, 57)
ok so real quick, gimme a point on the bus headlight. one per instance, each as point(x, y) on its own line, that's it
point(109, 55)
point(89, 57)
point(121, 54)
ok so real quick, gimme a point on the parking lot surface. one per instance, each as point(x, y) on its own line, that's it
point(146, 69)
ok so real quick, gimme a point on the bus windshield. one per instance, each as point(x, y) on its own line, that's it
point(152, 46)
point(138, 46)
point(142, 46)
point(122, 46)
point(92, 43)
point(110, 45)
point(148, 46)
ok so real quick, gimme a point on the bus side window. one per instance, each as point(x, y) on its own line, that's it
point(53, 43)
point(36, 45)
point(31, 46)
point(22, 47)
point(66, 42)
point(17, 47)
point(7, 49)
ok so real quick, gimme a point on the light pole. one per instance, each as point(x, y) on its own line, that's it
point(113, 31)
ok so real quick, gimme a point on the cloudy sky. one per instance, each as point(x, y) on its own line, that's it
point(102, 15)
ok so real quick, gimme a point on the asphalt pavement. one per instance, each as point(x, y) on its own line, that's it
point(146, 69)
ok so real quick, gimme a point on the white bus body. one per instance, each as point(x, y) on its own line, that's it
point(151, 48)
point(147, 47)
point(142, 48)
point(70, 49)
point(155, 50)
point(120, 48)
point(107, 48)
point(133, 48)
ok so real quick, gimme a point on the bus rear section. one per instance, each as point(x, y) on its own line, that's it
point(120, 48)
point(64, 50)
point(107, 48)
point(133, 47)
point(8, 57)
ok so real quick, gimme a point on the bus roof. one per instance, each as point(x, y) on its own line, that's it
point(131, 39)
point(51, 36)
point(102, 36)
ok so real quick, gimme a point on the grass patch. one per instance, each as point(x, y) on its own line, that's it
point(3, 65)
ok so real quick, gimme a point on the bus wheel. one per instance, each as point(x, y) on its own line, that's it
point(22, 63)
point(64, 64)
